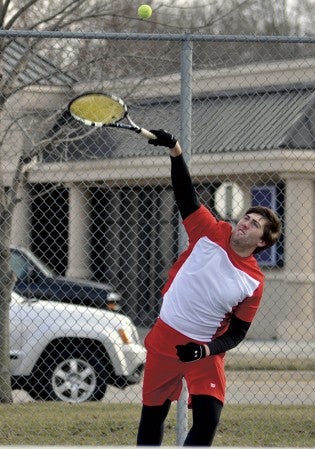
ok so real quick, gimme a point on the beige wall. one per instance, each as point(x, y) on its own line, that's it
point(287, 309)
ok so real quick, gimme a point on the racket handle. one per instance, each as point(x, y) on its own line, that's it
point(147, 134)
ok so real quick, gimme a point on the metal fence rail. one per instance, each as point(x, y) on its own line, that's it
point(97, 205)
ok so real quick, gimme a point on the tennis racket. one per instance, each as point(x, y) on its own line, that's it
point(99, 109)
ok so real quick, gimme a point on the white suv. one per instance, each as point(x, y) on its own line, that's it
point(71, 353)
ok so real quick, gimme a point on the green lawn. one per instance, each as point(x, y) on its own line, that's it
point(51, 423)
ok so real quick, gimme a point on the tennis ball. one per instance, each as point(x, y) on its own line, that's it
point(144, 11)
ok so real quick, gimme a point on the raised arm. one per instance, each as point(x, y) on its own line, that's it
point(184, 191)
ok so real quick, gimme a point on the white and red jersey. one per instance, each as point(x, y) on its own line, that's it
point(210, 281)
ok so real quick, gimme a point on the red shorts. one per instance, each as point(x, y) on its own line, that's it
point(164, 372)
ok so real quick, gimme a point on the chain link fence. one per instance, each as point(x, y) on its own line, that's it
point(95, 228)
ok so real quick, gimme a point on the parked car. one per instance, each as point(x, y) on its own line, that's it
point(35, 280)
point(71, 353)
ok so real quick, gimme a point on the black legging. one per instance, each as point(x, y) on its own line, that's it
point(206, 411)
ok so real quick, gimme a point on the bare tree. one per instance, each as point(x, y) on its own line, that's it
point(32, 15)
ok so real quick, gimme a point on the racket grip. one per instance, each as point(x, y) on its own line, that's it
point(147, 134)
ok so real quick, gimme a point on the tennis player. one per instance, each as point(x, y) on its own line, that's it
point(209, 301)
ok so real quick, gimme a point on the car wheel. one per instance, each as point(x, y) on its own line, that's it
point(73, 377)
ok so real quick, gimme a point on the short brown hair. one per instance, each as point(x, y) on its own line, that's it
point(272, 229)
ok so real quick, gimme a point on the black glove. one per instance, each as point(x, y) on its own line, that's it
point(164, 138)
point(191, 352)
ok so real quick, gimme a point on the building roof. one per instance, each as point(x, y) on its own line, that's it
point(37, 70)
point(264, 119)
point(252, 120)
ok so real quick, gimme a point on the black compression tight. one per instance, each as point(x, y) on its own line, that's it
point(206, 411)
point(151, 427)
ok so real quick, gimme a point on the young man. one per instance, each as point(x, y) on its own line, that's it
point(209, 300)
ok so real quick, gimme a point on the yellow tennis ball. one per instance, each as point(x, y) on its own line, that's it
point(144, 11)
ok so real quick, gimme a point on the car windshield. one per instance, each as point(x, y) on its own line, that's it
point(22, 265)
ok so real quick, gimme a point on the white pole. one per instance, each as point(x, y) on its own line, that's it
point(185, 139)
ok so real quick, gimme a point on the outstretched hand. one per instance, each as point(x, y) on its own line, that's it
point(164, 138)
point(191, 352)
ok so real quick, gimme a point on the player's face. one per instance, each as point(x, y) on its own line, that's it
point(248, 232)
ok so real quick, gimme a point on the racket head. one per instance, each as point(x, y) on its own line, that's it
point(97, 109)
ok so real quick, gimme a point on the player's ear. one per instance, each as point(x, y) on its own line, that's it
point(261, 244)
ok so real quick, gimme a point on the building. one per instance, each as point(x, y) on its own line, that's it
point(110, 194)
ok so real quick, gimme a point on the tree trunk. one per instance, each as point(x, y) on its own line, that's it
point(6, 284)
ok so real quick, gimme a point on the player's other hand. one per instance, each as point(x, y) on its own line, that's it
point(164, 138)
point(191, 352)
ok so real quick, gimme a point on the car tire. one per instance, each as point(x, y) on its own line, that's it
point(73, 375)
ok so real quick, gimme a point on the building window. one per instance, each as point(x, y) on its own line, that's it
point(270, 195)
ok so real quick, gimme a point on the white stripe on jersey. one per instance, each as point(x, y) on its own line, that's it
point(204, 290)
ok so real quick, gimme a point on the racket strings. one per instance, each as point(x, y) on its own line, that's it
point(98, 109)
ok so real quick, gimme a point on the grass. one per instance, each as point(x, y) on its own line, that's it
point(239, 363)
point(53, 423)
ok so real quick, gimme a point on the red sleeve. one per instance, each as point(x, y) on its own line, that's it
point(199, 223)
point(247, 309)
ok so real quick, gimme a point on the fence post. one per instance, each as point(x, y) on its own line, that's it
point(185, 139)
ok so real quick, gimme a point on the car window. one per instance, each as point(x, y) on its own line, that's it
point(22, 264)
point(19, 265)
